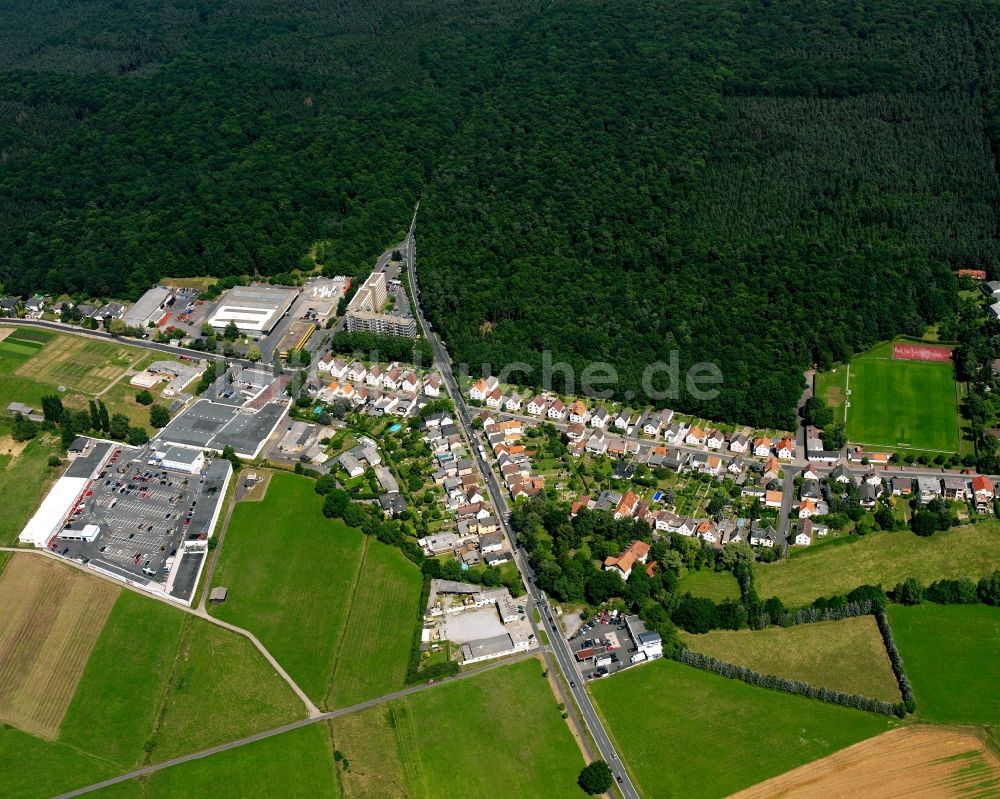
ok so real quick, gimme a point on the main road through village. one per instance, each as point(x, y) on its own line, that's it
point(588, 723)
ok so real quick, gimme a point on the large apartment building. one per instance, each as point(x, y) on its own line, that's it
point(365, 311)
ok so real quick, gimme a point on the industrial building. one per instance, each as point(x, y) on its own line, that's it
point(255, 310)
point(365, 311)
point(151, 307)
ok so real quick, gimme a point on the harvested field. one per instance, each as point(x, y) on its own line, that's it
point(915, 762)
point(51, 620)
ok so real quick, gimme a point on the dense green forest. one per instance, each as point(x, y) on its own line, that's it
point(755, 184)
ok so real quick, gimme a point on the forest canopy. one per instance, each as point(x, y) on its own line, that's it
point(758, 185)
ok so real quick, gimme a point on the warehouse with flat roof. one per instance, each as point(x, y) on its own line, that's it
point(255, 310)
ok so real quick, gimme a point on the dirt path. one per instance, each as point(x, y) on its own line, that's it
point(917, 762)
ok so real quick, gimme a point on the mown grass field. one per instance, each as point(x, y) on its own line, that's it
point(952, 656)
point(136, 649)
point(221, 689)
point(689, 734)
point(886, 558)
point(297, 764)
point(16, 349)
point(896, 402)
point(376, 641)
point(52, 616)
point(36, 769)
point(712, 584)
point(503, 724)
point(335, 610)
point(846, 655)
point(24, 481)
point(290, 574)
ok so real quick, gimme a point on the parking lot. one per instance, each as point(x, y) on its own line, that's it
point(144, 513)
point(606, 644)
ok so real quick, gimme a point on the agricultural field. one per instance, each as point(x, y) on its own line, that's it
point(137, 649)
point(100, 680)
point(376, 642)
point(82, 364)
point(951, 653)
point(18, 346)
point(398, 749)
point(917, 762)
point(886, 558)
point(674, 708)
point(25, 478)
point(846, 655)
point(221, 689)
point(714, 585)
point(335, 609)
point(52, 618)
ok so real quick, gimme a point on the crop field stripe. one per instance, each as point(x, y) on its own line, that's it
point(53, 617)
point(347, 621)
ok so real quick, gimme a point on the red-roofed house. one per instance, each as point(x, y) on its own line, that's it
point(637, 551)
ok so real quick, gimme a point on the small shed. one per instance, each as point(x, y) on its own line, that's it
point(218, 595)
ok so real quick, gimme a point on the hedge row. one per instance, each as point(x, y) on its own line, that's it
point(796, 687)
point(905, 690)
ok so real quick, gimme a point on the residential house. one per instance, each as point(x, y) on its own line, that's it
point(391, 379)
point(956, 488)
point(494, 399)
point(763, 535)
point(432, 386)
point(695, 437)
point(652, 424)
point(323, 364)
point(490, 542)
point(513, 402)
point(772, 499)
point(902, 486)
point(810, 490)
point(627, 506)
point(357, 372)
point(785, 449)
point(537, 406)
point(807, 508)
point(739, 444)
point(841, 475)
point(638, 551)
point(804, 533)
point(599, 418)
point(714, 439)
point(929, 488)
point(868, 496)
point(557, 410)
point(762, 447)
point(984, 492)
point(578, 413)
point(374, 376)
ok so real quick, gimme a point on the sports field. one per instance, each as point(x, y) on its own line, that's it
point(51, 618)
point(846, 655)
point(951, 655)
point(886, 558)
point(336, 610)
point(902, 403)
point(709, 583)
point(498, 734)
point(687, 733)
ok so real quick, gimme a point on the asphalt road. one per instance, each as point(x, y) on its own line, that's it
point(591, 723)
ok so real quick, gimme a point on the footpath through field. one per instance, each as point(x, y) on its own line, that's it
point(295, 725)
